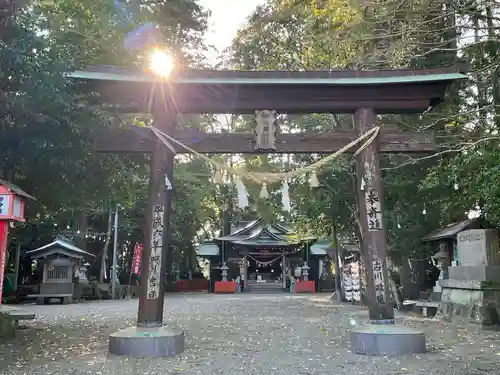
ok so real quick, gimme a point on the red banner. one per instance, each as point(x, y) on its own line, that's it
point(136, 261)
point(4, 231)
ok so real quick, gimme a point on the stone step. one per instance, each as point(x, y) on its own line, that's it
point(266, 290)
point(265, 286)
point(422, 295)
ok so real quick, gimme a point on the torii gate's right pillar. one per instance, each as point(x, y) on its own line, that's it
point(373, 234)
point(372, 338)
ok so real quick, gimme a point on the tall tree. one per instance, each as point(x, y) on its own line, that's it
point(46, 127)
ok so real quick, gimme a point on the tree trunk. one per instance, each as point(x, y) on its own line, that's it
point(482, 89)
point(492, 48)
point(410, 287)
point(105, 248)
point(16, 266)
point(395, 292)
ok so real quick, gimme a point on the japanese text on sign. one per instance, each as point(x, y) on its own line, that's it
point(4, 204)
point(373, 210)
point(378, 279)
point(154, 262)
point(136, 261)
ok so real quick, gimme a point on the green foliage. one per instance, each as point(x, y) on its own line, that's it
point(47, 128)
point(334, 34)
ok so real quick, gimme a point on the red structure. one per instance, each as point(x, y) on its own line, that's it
point(225, 287)
point(195, 285)
point(304, 286)
point(11, 209)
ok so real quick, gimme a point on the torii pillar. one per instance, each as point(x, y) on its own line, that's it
point(373, 338)
point(152, 337)
point(373, 234)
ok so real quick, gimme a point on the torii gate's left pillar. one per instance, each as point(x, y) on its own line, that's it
point(151, 337)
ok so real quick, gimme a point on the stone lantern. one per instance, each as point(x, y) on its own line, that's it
point(442, 262)
point(305, 271)
point(224, 269)
point(82, 273)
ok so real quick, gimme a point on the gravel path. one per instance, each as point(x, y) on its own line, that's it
point(240, 334)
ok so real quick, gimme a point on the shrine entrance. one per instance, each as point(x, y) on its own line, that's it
point(261, 256)
point(265, 267)
point(265, 273)
point(365, 95)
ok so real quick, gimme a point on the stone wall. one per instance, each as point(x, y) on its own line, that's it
point(470, 301)
point(472, 292)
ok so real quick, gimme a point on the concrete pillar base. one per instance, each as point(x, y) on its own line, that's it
point(165, 341)
point(387, 340)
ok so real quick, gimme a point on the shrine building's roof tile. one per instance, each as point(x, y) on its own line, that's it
point(59, 246)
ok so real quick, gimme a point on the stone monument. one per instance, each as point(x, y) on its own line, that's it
point(472, 291)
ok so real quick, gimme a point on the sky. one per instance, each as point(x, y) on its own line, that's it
point(227, 17)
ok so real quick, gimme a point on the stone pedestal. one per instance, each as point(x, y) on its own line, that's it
point(472, 292)
point(437, 289)
point(475, 272)
point(471, 301)
point(165, 341)
point(441, 260)
point(387, 340)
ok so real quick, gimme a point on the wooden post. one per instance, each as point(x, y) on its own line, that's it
point(4, 234)
point(153, 263)
point(373, 235)
point(16, 266)
point(283, 268)
point(245, 272)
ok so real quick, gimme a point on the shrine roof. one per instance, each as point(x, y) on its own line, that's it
point(321, 247)
point(254, 230)
point(273, 77)
point(16, 189)
point(59, 247)
point(207, 249)
point(449, 231)
point(259, 233)
point(233, 91)
point(266, 243)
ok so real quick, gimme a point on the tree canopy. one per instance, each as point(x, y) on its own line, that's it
point(46, 127)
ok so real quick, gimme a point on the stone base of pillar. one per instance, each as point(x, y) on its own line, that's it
point(165, 341)
point(386, 340)
point(380, 321)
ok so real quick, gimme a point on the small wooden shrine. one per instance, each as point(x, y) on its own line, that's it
point(61, 263)
point(263, 257)
point(445, 238)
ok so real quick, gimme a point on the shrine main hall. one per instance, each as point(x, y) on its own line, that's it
point(264, 257)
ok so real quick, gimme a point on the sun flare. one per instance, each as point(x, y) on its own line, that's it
point(162, 63)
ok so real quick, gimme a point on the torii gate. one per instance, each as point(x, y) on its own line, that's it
point(361, 93)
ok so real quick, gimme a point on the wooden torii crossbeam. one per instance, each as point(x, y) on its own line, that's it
point(142, 140)
point(364, 94)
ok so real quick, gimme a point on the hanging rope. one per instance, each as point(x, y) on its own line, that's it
point(268, 177)
point(264, 263)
